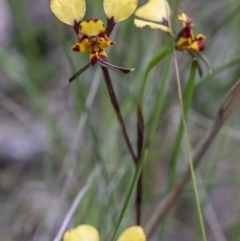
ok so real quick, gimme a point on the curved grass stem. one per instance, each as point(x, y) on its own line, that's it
point(189, 151)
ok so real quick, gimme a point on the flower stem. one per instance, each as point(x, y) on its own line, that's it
point(118, 113)
point(189, 151)
point(140, 142)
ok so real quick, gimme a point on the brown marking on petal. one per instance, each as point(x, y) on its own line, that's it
point(75, 48)
point(164, 22)
point(200, 39)
point(102, 34)
point(189, 20)
point(92, 19)
point(81, 37)
point(201, 44)
point(94, 60)
point(184, 33)
point(96, 48)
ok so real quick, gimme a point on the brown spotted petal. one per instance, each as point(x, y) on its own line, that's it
point(187, 41)
point(200, 42)
point(184, 38)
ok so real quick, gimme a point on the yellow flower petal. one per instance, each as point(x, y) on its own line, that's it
point(134, 233)
point(82, 233)
point(83, 46)
point(68, 11)
point(91, 27)
point(119, 9)
point(142, 23)
point(154, 10)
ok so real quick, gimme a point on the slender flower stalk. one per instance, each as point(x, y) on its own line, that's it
point(118, 112)
point(93, 38)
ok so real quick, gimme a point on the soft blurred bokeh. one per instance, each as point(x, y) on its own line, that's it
point(53, 134)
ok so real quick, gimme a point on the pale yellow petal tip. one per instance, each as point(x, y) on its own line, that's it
point(68, 11)
point(134, 233)
point(141, 23)
point(119, 10)
point(155, 10)
point(82, 233)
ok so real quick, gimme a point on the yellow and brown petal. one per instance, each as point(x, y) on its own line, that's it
point(187, 41)
point(92, 38)
point(186, 21)
point(156, 12)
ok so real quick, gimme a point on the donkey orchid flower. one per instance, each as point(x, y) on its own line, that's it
point(157, 13)
point(89, 233)
point(93, 37)
point(186, 39)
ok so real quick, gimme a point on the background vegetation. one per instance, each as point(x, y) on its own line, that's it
point(54, 135)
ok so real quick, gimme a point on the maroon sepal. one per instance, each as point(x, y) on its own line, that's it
point(94, 60)
point(110, 25)
point(114, 67)
point(79, 72)
point(185, 33)
point(76, 26)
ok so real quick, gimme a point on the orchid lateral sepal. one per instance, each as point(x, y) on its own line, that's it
point(203, 58)
point(114, 67)
point(194, 58)
point(79, 72)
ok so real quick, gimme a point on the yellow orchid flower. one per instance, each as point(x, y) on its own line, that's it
point(157, 13)
point(89, 233)
point(186, 39)
point(92, 34)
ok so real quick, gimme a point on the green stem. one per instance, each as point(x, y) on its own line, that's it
point(177, 144)
point(189, 153)
point(140, 130)
point(130, 193)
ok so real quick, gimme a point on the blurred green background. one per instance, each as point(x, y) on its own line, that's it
point(53, 134)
